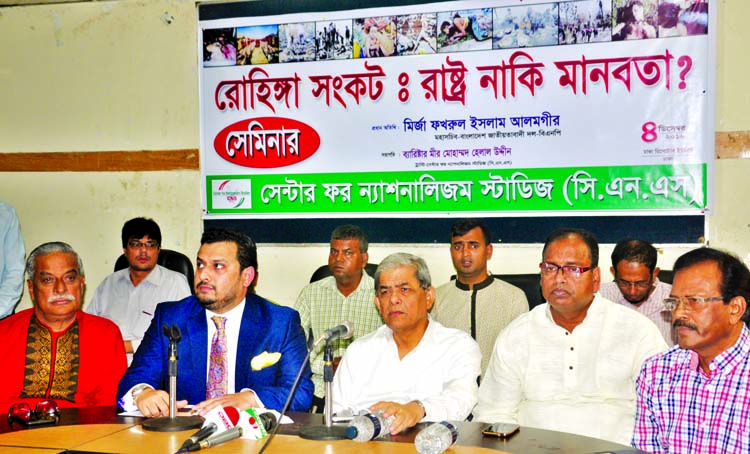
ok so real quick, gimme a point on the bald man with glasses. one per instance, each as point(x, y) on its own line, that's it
point(570, 364)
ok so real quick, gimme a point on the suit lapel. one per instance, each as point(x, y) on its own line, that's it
point(197, 338)
point(252, 330)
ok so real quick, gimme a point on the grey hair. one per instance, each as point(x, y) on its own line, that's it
point(405, 259)
point(50, 248)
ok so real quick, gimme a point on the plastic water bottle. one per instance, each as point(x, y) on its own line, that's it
point(436, 438)
point(368, 427)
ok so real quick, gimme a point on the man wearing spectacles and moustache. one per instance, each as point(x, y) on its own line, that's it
point(570, 364)
point(637, 286)
point(129, 296)
point(696, 396)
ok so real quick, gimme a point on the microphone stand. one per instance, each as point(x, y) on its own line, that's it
point(172, 423)
point(328, 431)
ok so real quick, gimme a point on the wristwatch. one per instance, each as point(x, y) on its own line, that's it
point(421, 405)
point(137, 390)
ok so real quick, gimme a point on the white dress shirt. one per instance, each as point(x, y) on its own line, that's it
point(582, 382)
point(12, 254)
point(441, 372)
point(132, 307)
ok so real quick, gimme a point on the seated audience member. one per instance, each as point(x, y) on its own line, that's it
point(129, 296)
point(570, 364)
point(224, 327)
point(696, 397)
point(476, 302)
point(12, 253)
point(346, 295)
point(637, 286)
point(53, 350)
point(412, 368)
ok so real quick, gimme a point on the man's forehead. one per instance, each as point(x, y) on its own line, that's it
point(56, 263)
point(350, 243)
point(224, 251)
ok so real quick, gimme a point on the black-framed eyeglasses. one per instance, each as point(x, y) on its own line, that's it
point(692, 303)
point(45, 412)
point(135, 244)
point(550, 269)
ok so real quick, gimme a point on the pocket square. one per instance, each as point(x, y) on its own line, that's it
point(264, 360)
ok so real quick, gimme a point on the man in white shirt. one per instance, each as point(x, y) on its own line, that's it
point(570, 364)
point(636, 285)
point(412, 368)
point(129, 296)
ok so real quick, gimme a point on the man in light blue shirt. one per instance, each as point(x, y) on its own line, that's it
point(12, 256)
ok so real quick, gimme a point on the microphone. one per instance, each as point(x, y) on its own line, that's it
point(224, 417)
point(206, 431)
point(210, 442)
point(342, 331)
point(256, 425)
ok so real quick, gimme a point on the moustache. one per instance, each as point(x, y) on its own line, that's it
point(204, 283)
point(685, 324)
point(64, 296)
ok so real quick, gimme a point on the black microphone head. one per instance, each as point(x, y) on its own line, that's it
point(167, 331)
point(176, 334)
point(268, 420)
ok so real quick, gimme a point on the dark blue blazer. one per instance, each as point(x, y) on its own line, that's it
point(265, 327)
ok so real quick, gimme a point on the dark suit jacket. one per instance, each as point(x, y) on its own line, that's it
point(265, 327)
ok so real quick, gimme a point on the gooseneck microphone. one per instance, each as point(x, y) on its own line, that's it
point(342, 331)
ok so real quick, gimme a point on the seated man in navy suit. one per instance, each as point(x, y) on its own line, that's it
point(224, 328)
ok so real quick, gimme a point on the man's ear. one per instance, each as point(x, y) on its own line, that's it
point(612, 270)
point(30, 285)
point(365, 259)
point(656, 273)
point(737, 308)
point(248, 275)
point(430, 295)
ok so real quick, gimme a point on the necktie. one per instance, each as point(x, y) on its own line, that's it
point(217, 369)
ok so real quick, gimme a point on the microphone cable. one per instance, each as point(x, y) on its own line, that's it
point(288, 402)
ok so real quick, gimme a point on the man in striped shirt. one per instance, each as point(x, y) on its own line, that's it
point(696, 396)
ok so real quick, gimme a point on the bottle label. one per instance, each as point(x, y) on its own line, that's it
point(452, 428)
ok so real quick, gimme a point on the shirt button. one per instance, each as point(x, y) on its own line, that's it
point(570, 367)
point(571, 348)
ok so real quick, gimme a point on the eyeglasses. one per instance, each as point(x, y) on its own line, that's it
point(550, 269)
point(643, 285)
point(692, 303)
point(46, 412)
point(134, 244)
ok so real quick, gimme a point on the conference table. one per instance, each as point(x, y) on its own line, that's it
point(102, 430)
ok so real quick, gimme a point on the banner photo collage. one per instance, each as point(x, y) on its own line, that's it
point(590, 107)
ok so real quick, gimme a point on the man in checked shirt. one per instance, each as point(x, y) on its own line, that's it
point(347, 295)
point(696, 396)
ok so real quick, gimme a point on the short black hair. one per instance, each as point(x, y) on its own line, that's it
point(462, 227)
point(638, 251)
point(138, 228)
point(735, 277)
point(584, 235)
point(247, 253)
point(351, 232)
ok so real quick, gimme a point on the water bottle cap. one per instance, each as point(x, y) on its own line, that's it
point(351, 432)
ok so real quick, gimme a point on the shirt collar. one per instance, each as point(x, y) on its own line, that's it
point(731, 357)
point(485, 283)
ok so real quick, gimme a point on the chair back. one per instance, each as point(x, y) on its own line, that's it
point(172, 260)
